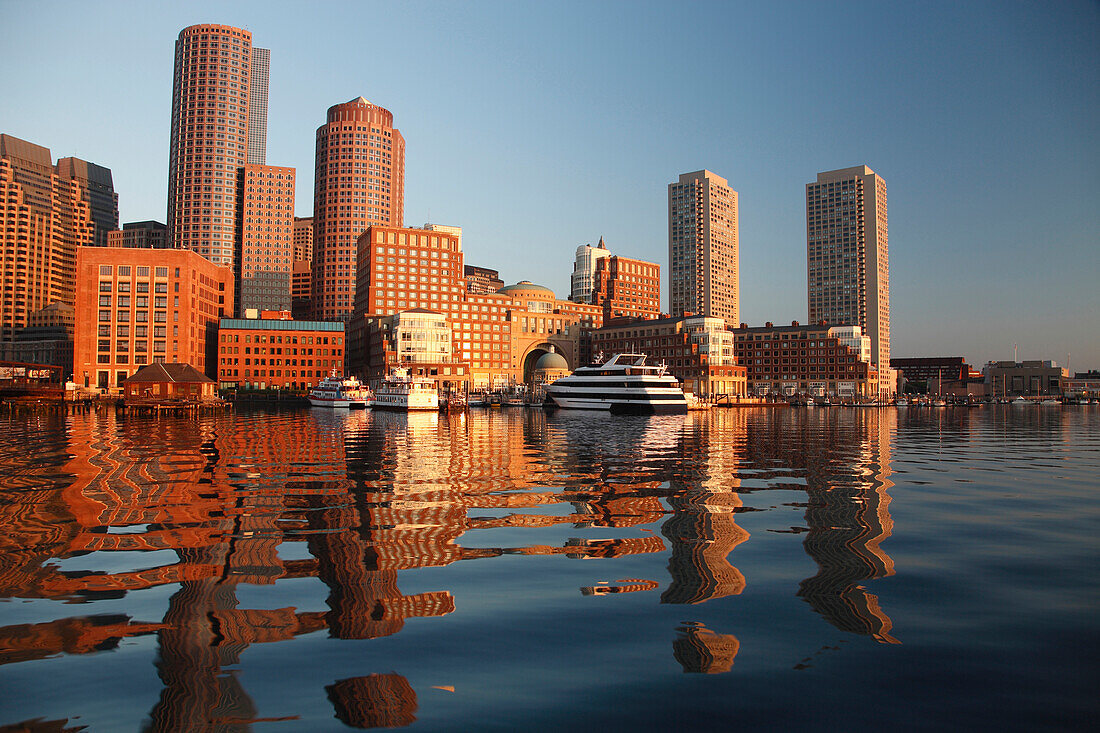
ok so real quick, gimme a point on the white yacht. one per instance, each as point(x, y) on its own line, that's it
point(337, 391)
point(401, 391)
point(622, 384)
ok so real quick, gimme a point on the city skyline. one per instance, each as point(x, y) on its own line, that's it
point(987, 137)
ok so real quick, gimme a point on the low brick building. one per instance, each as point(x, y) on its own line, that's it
point(276, 352)
point(169, 381)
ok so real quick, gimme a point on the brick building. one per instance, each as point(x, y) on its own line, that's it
point(141, 306)
point(273, 351)
point(819, 360)
point(627, 288)
point(265, 234)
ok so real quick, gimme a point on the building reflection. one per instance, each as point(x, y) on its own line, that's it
point(848, 518)
point(363, 497)
point(699, 650)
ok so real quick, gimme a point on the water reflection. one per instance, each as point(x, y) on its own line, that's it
point(122, 505)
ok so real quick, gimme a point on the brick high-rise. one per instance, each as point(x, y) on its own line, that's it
point(703, 247)
point(359, 181)
point(848, 257)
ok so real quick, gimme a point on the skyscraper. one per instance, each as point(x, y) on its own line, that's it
point(257, 106)
point(265, 238)
point(703, 247)
point(44, 218)
point(98, 190)
point(210, 115)
point(359, 181)
point(848, 258)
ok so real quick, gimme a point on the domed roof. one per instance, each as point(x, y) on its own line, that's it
point(551, 360)
point(525, 285)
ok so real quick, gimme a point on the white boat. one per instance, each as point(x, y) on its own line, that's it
point(401, 391)
point(902, 402)
point(337, 391)
point(622, 384)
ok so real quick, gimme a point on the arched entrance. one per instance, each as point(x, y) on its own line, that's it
point(536, 352)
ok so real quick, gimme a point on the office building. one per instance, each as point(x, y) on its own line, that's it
point(848, 258)
point(140, 306)
point(703, 247)
point(44, 218)
point(626, 288)
point(98, 190)
point(482, 279)
point(260, 73)
point(275, 352)
point(303, 238)
point(210, 116)
point(265, 238)
point(1029, 379)
point(818, 361)
point(583, 280)
point(141, 234)
point(359, 182)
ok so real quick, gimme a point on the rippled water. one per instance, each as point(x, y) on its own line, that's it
point(842, 569)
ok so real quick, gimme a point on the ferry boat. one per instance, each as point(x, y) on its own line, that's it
point(337, 391)
point(623, 384)
point(401, 391)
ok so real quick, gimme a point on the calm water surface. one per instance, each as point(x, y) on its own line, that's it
point(840, 569)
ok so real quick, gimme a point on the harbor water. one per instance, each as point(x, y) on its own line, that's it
point(738, 569)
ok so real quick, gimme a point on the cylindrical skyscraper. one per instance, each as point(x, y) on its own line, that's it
point(359, 181)
point(210, 113)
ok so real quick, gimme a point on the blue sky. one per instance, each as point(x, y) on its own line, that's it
point(540, 126)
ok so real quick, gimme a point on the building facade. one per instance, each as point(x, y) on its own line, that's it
point(44, 218)
point(359, 181)
point(139, 306)
point(273, 352)
point(210, 115)
point(265, 238)
point(481, 279)
point(583, 279)
point(703, 247)
point(627, 288)
point(259, 76)
point(98, 190)
point(928, 370)
point(698, 350)
point(142, 234)
point(819, 361)
point(1031, 378)
point(848, 258)
point(303, 238)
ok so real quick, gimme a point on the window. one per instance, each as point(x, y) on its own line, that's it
point(104, 269)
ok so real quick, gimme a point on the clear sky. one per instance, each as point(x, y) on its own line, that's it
point(539, 126)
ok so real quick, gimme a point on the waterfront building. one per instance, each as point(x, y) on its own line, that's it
point(169, 380)
point(819, 360)
point(699, 351)
point(1031, 378)
point(141, 306)
point(273, 351)
point(539, 324)
point(98, 191)
point(626, 288)
point(419, 340)
point(211, 95)
point(848, 258)
point(143, 234)
point(1082, 385)
point(44, 218)
point(303, 238)
point(359, 182)
point(703, 247)
point(481, 279)
point(265, 234)
point(583, 279)
point(928, 369)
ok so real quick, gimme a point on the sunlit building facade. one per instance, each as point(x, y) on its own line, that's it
point(140, 306)
point(703, 247)
point(848, 258)
point(275, 352)
point(265, 234)
point(359, 181)
point(627, 288)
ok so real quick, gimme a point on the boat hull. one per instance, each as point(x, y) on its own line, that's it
point(322, 402)
point(618, 406)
